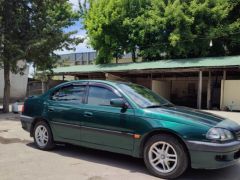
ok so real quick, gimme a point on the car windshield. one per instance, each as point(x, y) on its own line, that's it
point(143, 97)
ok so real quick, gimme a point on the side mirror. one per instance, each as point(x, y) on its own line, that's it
point(119, 102)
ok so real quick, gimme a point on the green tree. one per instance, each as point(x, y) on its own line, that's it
point(133, 11)
point(102, 21)
point(109, 27)
point(184, 29)
point(32, 30)
point(163, 29)
point(231, 38)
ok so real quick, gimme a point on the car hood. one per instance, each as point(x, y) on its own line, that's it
point(192, 116)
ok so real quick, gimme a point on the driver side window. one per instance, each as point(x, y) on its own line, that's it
point(100, 96)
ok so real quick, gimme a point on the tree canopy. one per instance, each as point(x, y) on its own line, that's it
point(160, 29)
point(32, 30)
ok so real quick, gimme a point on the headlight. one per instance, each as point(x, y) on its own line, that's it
point(219, 134)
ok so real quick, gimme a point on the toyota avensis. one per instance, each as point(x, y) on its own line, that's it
point(130, 119)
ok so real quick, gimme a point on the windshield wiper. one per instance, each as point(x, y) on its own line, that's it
point(168, 104)
point(153, 106)
point(158, 105)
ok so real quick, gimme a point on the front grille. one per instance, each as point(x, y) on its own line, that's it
point(238, 135)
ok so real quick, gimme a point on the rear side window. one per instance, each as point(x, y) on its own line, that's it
point(100, 96)
point(70, 94)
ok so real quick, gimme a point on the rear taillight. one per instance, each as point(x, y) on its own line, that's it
point(22, 108)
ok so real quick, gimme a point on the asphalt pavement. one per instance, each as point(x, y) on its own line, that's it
point(19, 159)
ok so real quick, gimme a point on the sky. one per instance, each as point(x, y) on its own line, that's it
point(83, 47)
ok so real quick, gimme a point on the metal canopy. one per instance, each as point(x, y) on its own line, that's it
point(172, 65)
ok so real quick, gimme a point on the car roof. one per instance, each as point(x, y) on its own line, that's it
point(109, 82)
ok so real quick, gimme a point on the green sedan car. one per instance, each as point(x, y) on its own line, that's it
point(130, 119)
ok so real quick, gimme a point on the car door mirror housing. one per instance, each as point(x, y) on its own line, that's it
point(119, 102)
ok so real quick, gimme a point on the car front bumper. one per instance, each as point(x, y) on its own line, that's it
point(207, 155)
point(26, 122)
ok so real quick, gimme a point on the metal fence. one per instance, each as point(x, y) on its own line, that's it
point(79, 58)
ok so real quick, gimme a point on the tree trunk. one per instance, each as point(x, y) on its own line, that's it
point(133, 55)
point(6, 97)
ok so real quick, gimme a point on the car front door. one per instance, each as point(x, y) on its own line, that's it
point(104, 124)
point(65, 113)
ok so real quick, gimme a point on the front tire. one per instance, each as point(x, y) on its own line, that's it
point(165, 156)
point(43, 136)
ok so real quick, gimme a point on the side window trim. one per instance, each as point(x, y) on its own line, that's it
point(85, 100)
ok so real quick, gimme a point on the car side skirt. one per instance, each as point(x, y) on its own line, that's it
point(94, 145)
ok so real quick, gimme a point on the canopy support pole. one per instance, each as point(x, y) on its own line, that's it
point(199, 97)
point(209, 90)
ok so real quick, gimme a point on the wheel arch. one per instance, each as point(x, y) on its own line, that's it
point(163, 131)
point(35, 120)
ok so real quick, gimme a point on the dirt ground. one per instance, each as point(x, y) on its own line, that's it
point(19, 159)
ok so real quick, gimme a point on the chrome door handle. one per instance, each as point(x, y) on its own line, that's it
point(88, 114)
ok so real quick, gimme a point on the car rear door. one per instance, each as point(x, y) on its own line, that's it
point(106, 125)
point(64, 111)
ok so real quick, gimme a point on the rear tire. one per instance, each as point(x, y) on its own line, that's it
point(43, 136)
point(165, 156)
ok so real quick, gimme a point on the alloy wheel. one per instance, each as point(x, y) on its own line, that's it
point(41, 135)
point(163, 157)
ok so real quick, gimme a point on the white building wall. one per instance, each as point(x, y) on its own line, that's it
point(162, 88)
point(18, 83)
point(230, 94)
